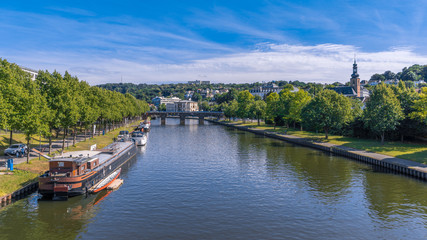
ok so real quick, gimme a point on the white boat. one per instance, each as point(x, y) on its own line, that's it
point(140, 138)
point(107, 181)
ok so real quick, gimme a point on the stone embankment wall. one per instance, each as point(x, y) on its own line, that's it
point(398, 165)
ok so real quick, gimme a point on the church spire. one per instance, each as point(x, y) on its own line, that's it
point(355, 74)
point(355, 80)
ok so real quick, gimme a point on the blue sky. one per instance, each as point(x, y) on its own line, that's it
point(222, 41)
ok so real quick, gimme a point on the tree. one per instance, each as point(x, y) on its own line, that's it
point(405, 95)
point(204, 105)
point(273, 107)
point(226, 97)
point(68, 109)
point(244, 100)
point(420, 107)
point(12, 90)
point(383, 111)
point(23, 108)
point(297, 101)
point(230, 110)
point(35, 113)
point(424, 72)
point(196, 97)
point(314, 88)
point(162, 107)
point(327, 110)
point(89, 111)
point(6, 86)
point(4, 112)
point(409, 76)
point(410, 84)
point(377, 77)
point(389, 75)
point(257, 109)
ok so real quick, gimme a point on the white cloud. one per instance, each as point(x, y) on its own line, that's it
point(317, 63)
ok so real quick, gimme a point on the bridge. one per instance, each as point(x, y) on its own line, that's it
point(182, 115)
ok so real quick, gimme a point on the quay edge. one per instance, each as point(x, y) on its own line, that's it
point(397, 165)
point(18, 194)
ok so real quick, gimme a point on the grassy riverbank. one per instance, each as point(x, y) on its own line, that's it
point(27, 173)
point(410, 151)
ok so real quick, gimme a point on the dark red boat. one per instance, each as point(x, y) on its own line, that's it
point(80, 172)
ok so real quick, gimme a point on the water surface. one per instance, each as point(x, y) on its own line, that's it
point(212, 182)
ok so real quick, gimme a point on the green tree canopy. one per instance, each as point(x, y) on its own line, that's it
point(244, 100)
point(327, 110)
point(273, 107)
point(420, 107)
point(383, 111)
point(257, 109)
point(230, 110)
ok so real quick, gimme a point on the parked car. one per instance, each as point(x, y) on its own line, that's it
point(16, 150)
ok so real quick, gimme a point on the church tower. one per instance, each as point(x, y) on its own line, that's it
point(355, 80)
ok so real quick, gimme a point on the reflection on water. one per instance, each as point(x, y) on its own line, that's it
point(211, 182)
point(35, 218)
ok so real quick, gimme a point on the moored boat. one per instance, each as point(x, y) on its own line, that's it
point(146, 125)
point(106, 182)
point(140, 138)
point(75, 173)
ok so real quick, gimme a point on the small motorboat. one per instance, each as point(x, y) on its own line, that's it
point(139, 138)
point(107, 181)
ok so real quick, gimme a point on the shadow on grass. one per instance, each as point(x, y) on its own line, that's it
point(410, 151)
point(420, 156)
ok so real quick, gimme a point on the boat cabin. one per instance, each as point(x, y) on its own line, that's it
point(137, 134)
point(72, 167)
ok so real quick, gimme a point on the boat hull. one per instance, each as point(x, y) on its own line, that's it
point(140, 141)
point(52, 187)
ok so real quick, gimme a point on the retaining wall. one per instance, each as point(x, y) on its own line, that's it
point(19, 194)
point(398, 165)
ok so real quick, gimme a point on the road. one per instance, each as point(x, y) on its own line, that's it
point(55, 145)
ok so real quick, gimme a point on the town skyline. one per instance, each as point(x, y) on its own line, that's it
point(238, 42)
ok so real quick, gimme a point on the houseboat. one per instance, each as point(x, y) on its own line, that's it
point(81, 172)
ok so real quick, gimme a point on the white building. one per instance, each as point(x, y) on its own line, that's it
point(182, 106)
point(32, 72)
point(157, 101)
point(268, 88)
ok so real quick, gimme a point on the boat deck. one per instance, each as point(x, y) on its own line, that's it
point(103, 155)
point(115, 148)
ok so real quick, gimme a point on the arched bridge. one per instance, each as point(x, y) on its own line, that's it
point(182, 115)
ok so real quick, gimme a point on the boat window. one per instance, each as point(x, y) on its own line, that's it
point(60, 164)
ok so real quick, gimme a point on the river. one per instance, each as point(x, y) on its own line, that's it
point(212, 182)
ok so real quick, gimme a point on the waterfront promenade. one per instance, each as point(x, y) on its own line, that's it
point(44, 148)
point(399, 165)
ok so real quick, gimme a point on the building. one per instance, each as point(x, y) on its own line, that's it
point(33, 73)
point(198, 82)
point(355, 89)
point(268, 88)
point(206, 93)
point(157, 101)
point(182, 106)
point(188, 94)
